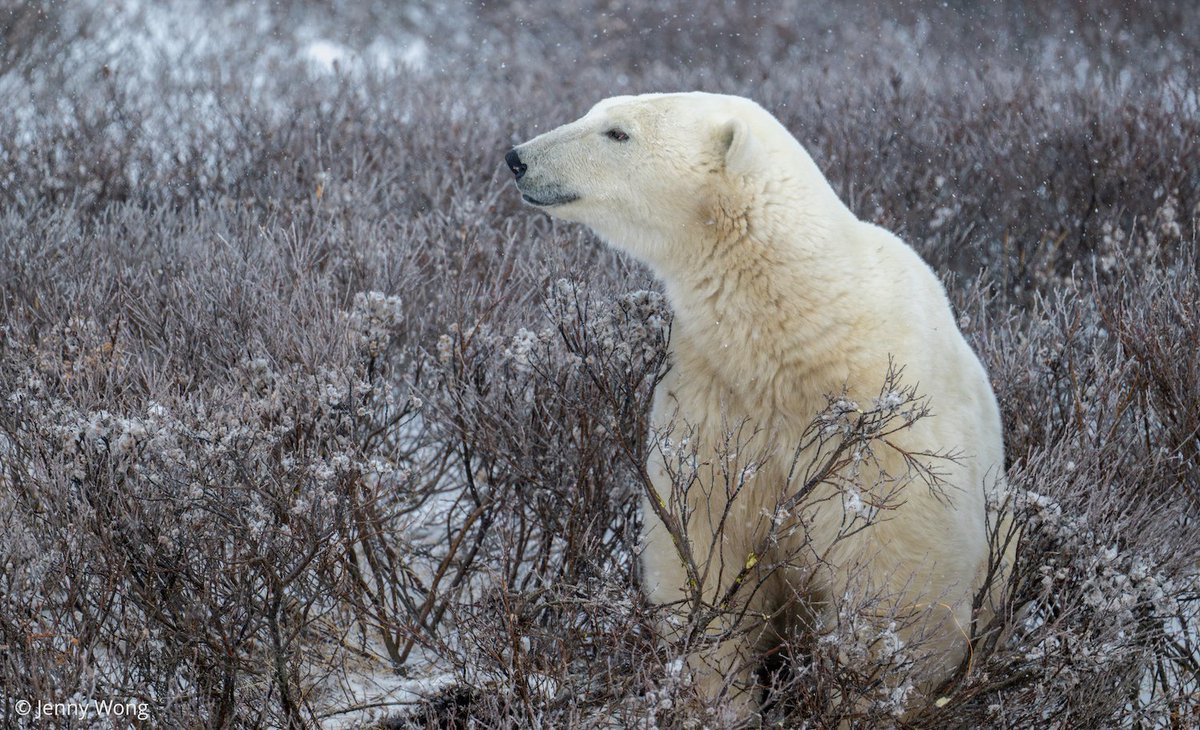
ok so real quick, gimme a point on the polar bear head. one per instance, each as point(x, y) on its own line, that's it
point(646, 172)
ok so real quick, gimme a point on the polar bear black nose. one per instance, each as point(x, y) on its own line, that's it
point(515, 164)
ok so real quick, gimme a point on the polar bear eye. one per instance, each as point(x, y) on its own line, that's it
point(617, 135)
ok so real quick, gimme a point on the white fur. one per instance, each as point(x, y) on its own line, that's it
point(782, 297)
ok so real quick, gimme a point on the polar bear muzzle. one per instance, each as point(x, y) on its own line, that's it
point(535, 189)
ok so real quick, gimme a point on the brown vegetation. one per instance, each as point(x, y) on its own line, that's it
point(293, 391)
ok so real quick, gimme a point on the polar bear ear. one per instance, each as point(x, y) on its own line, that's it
point(738, 146)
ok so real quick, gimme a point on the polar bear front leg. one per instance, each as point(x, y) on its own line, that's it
point(723, 658)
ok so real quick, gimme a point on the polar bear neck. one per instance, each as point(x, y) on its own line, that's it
point(762, 299)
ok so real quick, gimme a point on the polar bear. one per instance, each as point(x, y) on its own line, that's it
point(783, 299)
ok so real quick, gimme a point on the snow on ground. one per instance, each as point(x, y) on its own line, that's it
point(332, 57)
point(149, 34)
point(359, 682)
point(367, 690)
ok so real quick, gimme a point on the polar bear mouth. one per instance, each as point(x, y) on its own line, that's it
point(549, 200)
